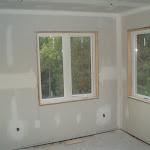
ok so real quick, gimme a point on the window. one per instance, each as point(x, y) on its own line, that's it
point(67, 67)
point(139, 64)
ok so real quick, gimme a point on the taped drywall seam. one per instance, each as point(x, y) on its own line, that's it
point(9, 45)
point(56, 13)
point(134, 11)
point(119, 68)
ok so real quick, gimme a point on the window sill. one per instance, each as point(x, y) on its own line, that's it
point(67, 101)
point(139, 99)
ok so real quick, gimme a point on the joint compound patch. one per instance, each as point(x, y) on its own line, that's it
point(57, 120)
point(37, 123)
point(78, 118)
point(9, 45)
point(100, 120)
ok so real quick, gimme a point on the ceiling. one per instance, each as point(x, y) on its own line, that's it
point(105, 6)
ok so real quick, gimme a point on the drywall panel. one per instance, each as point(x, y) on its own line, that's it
point(19, 87)
point(136, 118)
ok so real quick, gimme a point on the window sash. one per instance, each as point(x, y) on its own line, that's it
point(67, 67)
point(92, 51)
point(134, 64)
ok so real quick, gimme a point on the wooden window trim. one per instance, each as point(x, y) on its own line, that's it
point(130, 64)
point(96, 71)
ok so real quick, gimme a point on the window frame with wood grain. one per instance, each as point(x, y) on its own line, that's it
point(132, 64)
point(68, 96)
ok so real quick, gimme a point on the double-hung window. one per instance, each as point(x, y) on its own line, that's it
point(67, 66)
point(139, 64)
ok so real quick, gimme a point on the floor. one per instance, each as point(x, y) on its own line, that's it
point(116, 140)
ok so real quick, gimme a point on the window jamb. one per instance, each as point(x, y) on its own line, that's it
point(67, 97)
point(132, 54)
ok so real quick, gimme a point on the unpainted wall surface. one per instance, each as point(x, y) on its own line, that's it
point(19, 87)
point(136, 118)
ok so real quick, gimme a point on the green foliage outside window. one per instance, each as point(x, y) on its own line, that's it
point(81, 65)
point(143, 64)
point(51, 64)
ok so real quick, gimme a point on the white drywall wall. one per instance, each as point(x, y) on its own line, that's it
point(18, 82)
point(136, 114)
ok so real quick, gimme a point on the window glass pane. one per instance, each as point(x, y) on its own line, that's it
point(81, 65)
point(143, 64)
point(51, 64)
